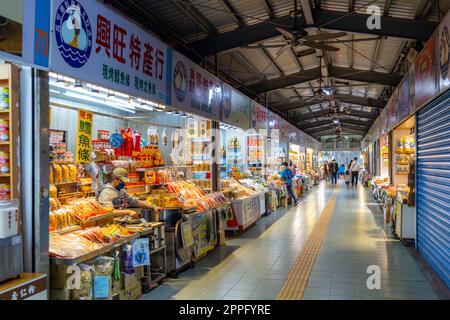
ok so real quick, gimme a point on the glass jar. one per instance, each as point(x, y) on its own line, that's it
point(4, 130)
point(4, 162)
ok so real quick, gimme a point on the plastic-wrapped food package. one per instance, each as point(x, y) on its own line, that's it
point(58, 175)
point(86, 278)
point(65, 173)
point(127, 259)
point(70, 245)
point(73, 173)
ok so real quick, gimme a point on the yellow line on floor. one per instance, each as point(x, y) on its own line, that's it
point(297, 280)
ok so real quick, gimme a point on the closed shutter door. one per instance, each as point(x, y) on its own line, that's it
point(433, 185)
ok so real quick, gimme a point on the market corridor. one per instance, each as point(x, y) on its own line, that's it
point(266, 262)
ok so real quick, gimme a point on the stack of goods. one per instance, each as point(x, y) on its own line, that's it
point(202, 167)
point(239, 190)
point(161, 199)
point(381, 182)
point(71, 245)
point(148, 157)
point(105, 235)
point(85, 209)
point(63, 173)
point(5, 192)
point(194, 196)
point(62, 219)
point(86, 185)
point(236, 174)
point(102, 143)
point(135, 186)
point(4, 162)
point(4, 130)
point(59, 153)
point(254, 185)
point(4, 98)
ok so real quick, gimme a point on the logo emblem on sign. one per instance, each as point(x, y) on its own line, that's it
point(73, 33)
point(180, 81)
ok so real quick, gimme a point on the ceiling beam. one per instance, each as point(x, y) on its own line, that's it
point(349, 123)
point(365, 76)
point(196, 16)
point(351, 5)
point(233, 13)
point(334, 72)
point(391, 27)
point(268, 8)
point(334, 20)
point(387, 7)
point(423, 9)
point(332, 129)
point(361, 101)
point(285, 81)
point(323, 113)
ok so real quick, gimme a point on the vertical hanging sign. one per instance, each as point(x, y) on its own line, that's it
point(84, 136)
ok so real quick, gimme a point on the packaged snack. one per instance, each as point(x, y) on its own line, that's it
point(72, 173)
point(65, 173)
point(86, 279)
point(58, 174)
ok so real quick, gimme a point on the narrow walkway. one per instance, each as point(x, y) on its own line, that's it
point(256, 264)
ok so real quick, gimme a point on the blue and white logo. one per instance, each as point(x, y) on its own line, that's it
point(73, 33)
point(180, 81)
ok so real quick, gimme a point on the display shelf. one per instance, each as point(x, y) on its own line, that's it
point(93, 254)
point(99, 218)
point(5, 143)
point(67, 230)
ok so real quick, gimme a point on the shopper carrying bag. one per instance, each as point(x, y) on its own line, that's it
point(354, 171)
point(286, 176)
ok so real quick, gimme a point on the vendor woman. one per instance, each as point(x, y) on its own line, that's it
point(115, 196)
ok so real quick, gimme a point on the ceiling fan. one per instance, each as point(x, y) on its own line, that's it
point(298, 36)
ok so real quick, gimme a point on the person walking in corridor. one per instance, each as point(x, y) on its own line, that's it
point(354, 171)
point(327, 171)
point(334, 171)
point(286, 175)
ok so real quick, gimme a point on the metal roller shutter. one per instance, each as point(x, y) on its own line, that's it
point(433, 185)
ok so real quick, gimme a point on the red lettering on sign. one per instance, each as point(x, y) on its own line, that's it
point(119, 43)
point(42, 42)
point(148, 60)
point(103, 34)
point(135, 51)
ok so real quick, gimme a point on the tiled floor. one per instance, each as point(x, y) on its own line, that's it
point(255, 264)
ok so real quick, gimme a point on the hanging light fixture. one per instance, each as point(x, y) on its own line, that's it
point(78, 84)
point(169, 111)
point(184, 115)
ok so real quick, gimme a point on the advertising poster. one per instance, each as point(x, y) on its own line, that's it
point(194, 89)
point(236, 108)
point(25, 31)
point(259, 118)
point(202, 233)
point(425, 75)
point(392, 110)
point(93, 43)
point(412, 89)
point(141, 252)
point(294, 135)
point(403, 99)
point(444, 53)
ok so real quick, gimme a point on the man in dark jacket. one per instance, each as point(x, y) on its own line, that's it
point(334, 171)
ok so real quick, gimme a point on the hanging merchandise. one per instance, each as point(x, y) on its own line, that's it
point(116, 140)
point(164, 137)
point(136, 141)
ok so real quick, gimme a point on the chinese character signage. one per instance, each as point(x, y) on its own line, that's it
point(403, 99)
point(260, 117)
point(444, 53)
point(235, 108)
point(84, 136)
point(425, 73)
point(92, 43)
point(194, 89)
point(392, 108)
point(24, 32)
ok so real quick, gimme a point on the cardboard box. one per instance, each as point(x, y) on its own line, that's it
point(128, 280)
point(133, 292)
point(139, 273)
point(60, 294)
point(58, 276)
